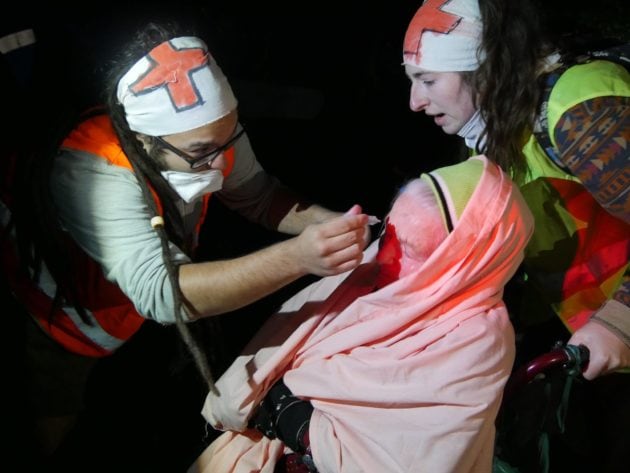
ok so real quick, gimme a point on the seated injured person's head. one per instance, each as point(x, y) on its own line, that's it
point(414, 228)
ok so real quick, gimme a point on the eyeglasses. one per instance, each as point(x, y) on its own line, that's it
point(196, 163)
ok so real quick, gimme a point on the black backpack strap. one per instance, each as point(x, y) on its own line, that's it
point(619, 54)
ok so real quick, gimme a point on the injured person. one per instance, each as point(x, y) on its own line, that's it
point(398, 365)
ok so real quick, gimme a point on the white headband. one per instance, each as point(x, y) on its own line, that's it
point(444, 36)
point(176, 87)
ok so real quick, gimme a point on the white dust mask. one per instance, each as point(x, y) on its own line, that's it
point(191, 185)
point(472, 130)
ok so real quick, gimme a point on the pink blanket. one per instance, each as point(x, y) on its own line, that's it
point(405, 378)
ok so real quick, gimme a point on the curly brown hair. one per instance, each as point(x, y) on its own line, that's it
point(507, 80)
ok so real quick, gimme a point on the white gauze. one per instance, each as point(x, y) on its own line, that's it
point(177, 87)
point(444, 36)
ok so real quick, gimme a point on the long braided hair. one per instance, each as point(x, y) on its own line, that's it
point(147, 170)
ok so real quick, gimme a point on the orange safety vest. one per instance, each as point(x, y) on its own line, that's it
point(112, 317)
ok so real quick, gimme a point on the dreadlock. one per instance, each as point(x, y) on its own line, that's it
point(147, 171)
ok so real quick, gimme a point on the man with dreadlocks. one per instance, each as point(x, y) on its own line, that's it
point(119, 207)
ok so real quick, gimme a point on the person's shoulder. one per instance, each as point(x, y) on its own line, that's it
point(596, 69)
point(86, 172)
point(592, 79)
point(470, 168)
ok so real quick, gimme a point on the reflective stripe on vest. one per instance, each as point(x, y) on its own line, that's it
point(65, 326)
point(579, 253)
point(90, 328)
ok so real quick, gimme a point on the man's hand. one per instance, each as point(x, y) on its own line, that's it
point(372, 220)
point(334, 246)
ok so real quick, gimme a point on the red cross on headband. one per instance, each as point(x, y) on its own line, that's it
point(176, 87)
point(444, 36)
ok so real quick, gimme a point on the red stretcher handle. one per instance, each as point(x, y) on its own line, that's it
point(569, 357)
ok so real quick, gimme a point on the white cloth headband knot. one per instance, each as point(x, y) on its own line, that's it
point(176, 87)
point(444, 36)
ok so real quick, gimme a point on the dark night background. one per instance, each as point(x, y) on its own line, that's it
point(325, 101)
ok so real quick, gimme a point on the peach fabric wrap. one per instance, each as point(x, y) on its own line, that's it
point(405, 378)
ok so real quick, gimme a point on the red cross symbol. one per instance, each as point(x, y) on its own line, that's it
point(172, 68)
point(428, 18)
